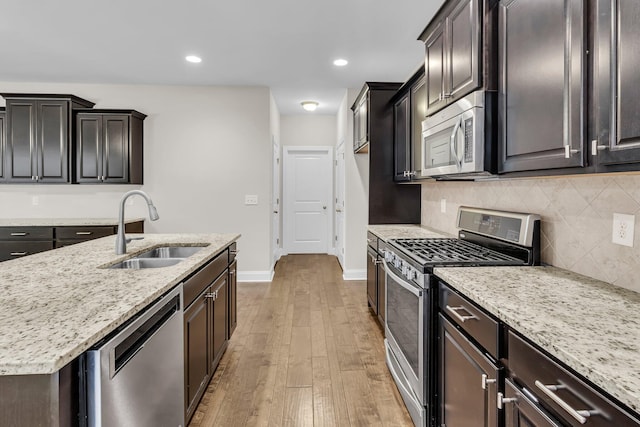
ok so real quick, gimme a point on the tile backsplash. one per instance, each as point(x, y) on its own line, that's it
point(577, 218)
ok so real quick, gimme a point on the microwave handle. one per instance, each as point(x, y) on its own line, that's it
point(454, 145)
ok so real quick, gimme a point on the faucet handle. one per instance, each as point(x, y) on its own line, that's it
point(129, 239)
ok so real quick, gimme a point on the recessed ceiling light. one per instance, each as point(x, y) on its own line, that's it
point(194, 59)
point(340, 62)
point(309, 105)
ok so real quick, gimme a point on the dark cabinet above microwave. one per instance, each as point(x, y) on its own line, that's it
point(460, 54)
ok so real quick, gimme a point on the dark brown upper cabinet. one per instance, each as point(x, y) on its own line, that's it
point(616, 141)
point(37, 147)
point(409, 110)
point(2, 142)
point(361, 124)
point(389, 203)
point(542, 88)
point(109, 146)
point(453, 41)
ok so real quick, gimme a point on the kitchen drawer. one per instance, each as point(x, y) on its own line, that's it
point(84, 233)
point(12, 250)
point(372, 240)
point(538, 372)
point(233, 251)
point(479, 325)
point(26, 233)
point(194, 285)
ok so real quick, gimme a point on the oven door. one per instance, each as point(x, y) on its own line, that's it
point(453, 140)
point(405, 324)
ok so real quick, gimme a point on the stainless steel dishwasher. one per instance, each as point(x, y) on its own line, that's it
point(136, 378)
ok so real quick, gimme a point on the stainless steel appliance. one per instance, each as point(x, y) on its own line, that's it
point(136, 378)
point(486, 237)
point(459, 141)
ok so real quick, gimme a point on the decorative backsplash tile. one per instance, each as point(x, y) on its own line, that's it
point(577, 218)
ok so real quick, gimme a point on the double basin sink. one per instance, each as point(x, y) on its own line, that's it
point(163, 256)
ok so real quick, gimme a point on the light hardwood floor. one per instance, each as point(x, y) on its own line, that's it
point(306, 352)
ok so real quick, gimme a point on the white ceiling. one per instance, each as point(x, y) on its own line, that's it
point(287, 45)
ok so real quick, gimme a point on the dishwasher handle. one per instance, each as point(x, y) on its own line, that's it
point(129, 341)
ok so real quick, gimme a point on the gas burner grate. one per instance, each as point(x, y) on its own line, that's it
point(448, 251)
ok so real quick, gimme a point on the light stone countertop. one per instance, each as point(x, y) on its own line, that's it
point(405, 231)
point(591, 326)
point(62, 222)
point(55, 305)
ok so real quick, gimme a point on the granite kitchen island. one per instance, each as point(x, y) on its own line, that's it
point(57, 304)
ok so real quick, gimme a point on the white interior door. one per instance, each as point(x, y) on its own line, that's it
point(339, 206)
point(275, 202)
point(308, 188)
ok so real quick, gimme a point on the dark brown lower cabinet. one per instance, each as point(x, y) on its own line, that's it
point(233, 298)
point(468, 381)
point(382, 291)
point(207, 299)
point(372, 279)
point(197, 367)
point(218, 302)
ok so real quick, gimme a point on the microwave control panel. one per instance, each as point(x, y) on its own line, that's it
point(468, 140)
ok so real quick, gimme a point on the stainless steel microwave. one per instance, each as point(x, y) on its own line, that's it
point(458, 142)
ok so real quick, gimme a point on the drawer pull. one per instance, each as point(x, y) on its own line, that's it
point(580, 416)
point(454, 311)
point(486, 380)
point(84, 233)
point(19, 234)
point(502, 400)
point(18, 253)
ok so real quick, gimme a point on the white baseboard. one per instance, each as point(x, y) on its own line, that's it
point(354, 275)
point(255, 276)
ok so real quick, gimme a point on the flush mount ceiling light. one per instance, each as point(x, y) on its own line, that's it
point(340, 62)
point(194, 59)
point(309, 105)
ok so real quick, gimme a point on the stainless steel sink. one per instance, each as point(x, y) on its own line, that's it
point(162, 256)
point(170, 252)
point(138, 263)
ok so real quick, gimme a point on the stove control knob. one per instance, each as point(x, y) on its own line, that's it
point(411, 274)
point(396, 261)
point(404, 268)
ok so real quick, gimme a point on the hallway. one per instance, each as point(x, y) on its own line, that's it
point(306, 352)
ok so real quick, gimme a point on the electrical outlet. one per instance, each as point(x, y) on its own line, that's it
point(35, 200)
point(623, 228)
point(250, 199)
point(443, 205)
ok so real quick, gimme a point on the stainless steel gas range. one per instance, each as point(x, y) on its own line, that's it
point(485, 238)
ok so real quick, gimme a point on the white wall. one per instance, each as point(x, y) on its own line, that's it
point(205, 148)
point(356, 194)
point(308, 130)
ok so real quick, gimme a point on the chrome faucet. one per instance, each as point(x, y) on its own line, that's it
point(121, 240)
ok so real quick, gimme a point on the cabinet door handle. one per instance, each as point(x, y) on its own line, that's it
point(568, 151)
point(210, 295)
point(579, 415)
point(502, 400)
point(84, 233)
point(486, 380)
point(18, 253)
point(234, 252)
point(19, 234)
point(454, 311)
point(232, 272)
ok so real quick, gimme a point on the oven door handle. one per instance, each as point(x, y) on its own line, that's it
point(402, 282)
